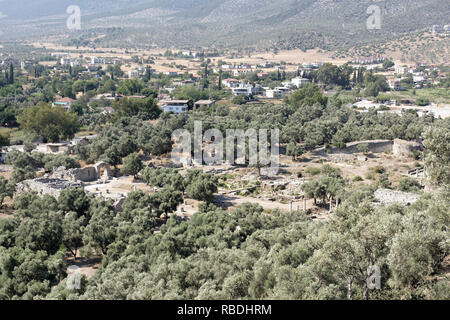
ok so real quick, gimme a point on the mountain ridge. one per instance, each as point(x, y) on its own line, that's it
point(227, 22)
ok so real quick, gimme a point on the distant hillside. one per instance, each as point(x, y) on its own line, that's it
point(238, 23)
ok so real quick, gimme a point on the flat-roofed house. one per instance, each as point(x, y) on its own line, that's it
point(65, 103)
point(231, 83)
point(273, 94)
point(204, 103)
point(299, 81)
point(175, 106)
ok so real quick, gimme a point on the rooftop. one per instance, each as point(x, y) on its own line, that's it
point(65, 100)
point(175, 101)
point(205, 102)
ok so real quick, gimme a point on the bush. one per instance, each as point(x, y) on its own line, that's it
point(378, 169)
point(422, 101)
point(312, 171)
point(409, 185)
point(132, 164)
point(417, 155)
point(239, 100)
point(383, 181)
point(357, 178)
point(55, 161)
point(340, 145)
point(364, 148)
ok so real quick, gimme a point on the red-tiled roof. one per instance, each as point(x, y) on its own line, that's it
point(66, 100)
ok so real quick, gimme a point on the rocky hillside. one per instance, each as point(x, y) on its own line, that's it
point(265, 23)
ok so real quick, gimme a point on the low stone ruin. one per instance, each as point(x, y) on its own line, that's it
point(389, 197)
point(399, 147)
point(374, 146)
point(45, 185)
point(405, 148)
point(101, 170)
point(62, 178)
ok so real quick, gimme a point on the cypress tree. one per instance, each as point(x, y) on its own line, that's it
point(11, 73)
point(148, 74)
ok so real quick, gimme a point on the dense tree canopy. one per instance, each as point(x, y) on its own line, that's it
point(53, 123)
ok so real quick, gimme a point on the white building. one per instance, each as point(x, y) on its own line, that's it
point(244, 90)
point(171, 73)
point(283, 90)
point(65, 103)
point(401, 69)
point(65, 61)
point(395, 84)
point(95, 60)
point(299, 81)
point(75, 62)
point(231, 83)
point(273, 94)
point(175, 106)
point(436, 29)
point(204, 103)
point(247, 90)
point(133, 74)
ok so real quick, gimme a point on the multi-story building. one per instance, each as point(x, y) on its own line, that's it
point(175, 106)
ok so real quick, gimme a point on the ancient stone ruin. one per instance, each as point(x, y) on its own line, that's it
point(101, 170)
point(405, 148)
point(45, 185)
point(62, 178)
point(389, 197)
point(398, 147)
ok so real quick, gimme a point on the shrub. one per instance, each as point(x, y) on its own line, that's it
point(378, 169)
point(312, 171)
point(409, 185)
point(239, 100)
point(364, 148)
point(422, 102)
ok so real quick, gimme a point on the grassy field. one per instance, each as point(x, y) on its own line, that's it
point(433, 95)
point(439, 96)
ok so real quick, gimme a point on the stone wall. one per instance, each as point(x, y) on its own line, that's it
point(101, 170)
point(405, 148)
point(87, 174)
point(45, 186)
point(375, 146)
